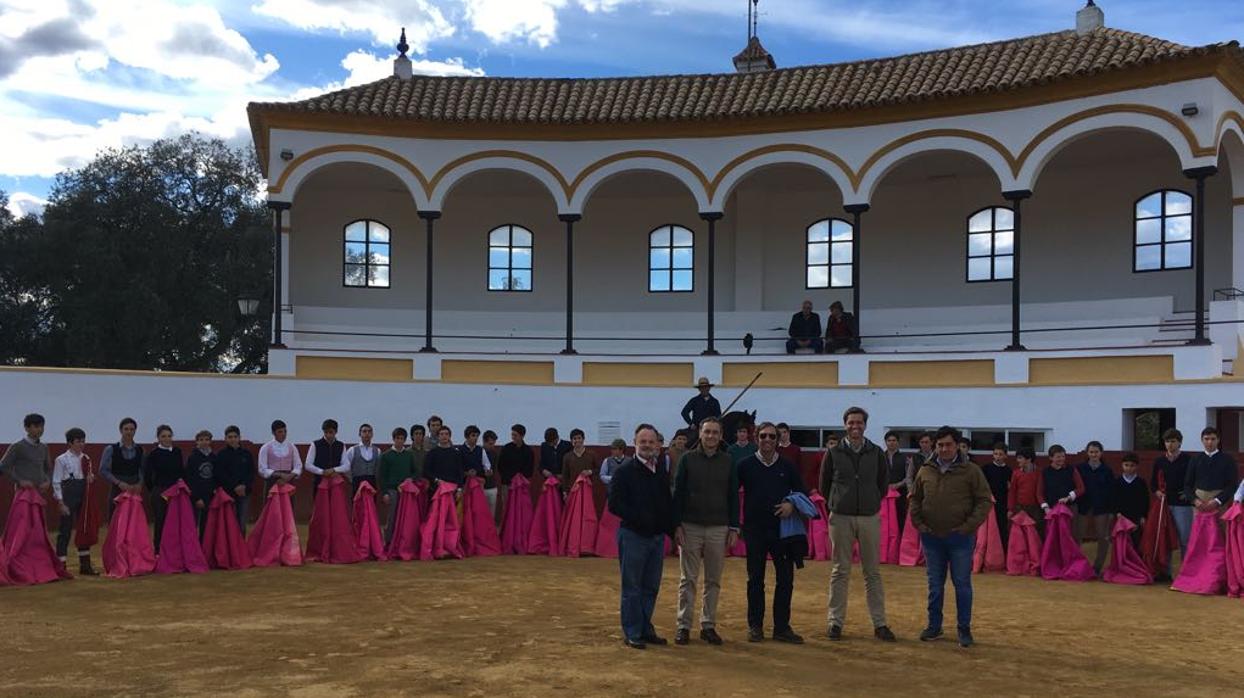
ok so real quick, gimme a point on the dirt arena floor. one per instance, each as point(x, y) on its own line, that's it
point(534, 626)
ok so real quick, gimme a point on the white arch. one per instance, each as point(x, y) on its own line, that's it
point(290, 183)
point(552, 180)
point(878, 170)
point(1231, 148)
point(588, 184)
point(738, 173)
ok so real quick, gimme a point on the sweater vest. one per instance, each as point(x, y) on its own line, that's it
point(127, 470)
point(360, 466)
point(708, 488)
point(328, 455)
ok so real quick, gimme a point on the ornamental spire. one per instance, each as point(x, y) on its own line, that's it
point(401, 65)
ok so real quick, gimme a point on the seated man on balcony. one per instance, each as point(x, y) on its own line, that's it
point(840, 333)
point(805, 330)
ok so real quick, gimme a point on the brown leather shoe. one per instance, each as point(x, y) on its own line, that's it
point(682, 637)
point(755, 635)
point(710, 636)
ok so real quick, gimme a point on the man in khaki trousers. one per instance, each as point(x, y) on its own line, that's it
point(706, 521)
point(854, 479)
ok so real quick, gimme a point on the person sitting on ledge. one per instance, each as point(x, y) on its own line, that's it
point(840, 333)
point(805, 330)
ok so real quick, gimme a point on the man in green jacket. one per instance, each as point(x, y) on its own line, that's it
point(950, 499)
point(854, 479)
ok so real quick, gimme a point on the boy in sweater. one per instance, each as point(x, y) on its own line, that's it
point(162, 468)
point(27, 462)
point(998, 475)
point(1095, 505)
point(201, 477)
point(397, 465)
point(70, 476)
point(1131, 495)
point(235, 472)
point(1059, 484)
point(1024, 492)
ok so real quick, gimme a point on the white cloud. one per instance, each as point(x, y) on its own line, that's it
point(25, 204)
point(382, 19)
point(534, 21)
point(363, 67)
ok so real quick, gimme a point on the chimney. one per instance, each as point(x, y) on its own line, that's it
point(754, 58)
point(1089, 18)
point(401, 64)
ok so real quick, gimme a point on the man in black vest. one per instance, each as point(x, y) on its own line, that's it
point(121, 464)
point(324, 456)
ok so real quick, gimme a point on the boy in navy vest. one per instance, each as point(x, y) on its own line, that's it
point(324, 456)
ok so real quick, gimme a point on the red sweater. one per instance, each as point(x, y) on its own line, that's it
point(1025, 489)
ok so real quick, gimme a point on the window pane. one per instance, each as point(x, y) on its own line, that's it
point(682, 280)
point(818, 253)
point(520, 257)
point(841, 253)
point(356, 275)
point(1148, 257)
point(1178, 203)
point(357, 231)
point(521, 237)
point(520, 280)
point(818, 232)
point(980, 222)
point(659, 258)
point(1148, 231)
point(840, 276)
point(1179, 228)
point(498, 257)
point(978, 244)
point(683, 258)
point(499, 237)
point(658, 281)
point(379, 276)
point(498, 280)
point(979, 268)
point(841, 230)
point(1178, 255)
point(682, 237)
point(1150, 206)
point(356, 252)
point(1002, 243)
point(1003, 219)
point(379, 254)
point(1003, 267)
point(660, 237)
point(377, 232)
point(818, 277)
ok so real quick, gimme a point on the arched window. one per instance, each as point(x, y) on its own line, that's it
point(830, 254)
point(671, 260)
point(1163, 231)
point(991, 244)
point(366, 259)
point(509, 259)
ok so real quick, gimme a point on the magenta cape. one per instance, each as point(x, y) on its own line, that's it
point(367, 539)
point(479, 530)
point(989, 555)
point(548, 521)
point(580, 524)
point(127, 549)
point(28, 555)
point(441, 537)
point(910, 553)
point(818, 529)
point(1204, 569)
point(1125, 565)
point(1023, 550)
point(890, 536)
point(607, 534)
point(404, 539)
point(1160, 537)
point(516, 522)
point(223, 545)
point(1061, 557)
point(740, 546)
point(179, 543)
point(330, 536)
point(1235, 550)
point(274, 539)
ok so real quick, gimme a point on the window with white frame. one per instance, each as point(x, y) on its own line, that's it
point(671, 260)
point(1163, 231)
point(366, 260)
point(509, 258)
point(830, 256)
point(991, 244)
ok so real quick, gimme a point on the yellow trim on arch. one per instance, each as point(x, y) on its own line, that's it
point(1189, 136)
point(933, 133)
point(780, 148)
point(515, 154)
point(346, 148)
point(634, 155)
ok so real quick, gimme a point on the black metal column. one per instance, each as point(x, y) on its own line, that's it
point(1016, 198)
point(278, 293)
point(712, 219)
point(429, 217)
point(569, 219)
point(1199, 174)
point(856, 211)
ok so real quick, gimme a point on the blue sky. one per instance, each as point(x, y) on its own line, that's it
point(77, 76)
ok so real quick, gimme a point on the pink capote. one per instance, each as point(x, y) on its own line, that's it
point(330, 536)
point(441, 538)
point(989, 555)
point(404, 540)
point(818, 529)
point(890, 540)
point(274, 539)
point(1023, 549)
point(516, 522)
point(740, 546)
point(1061, 557)
point(577, 536)
point(1204, 568)
point(1125, 565)
point(223, 544)
point(1235, 550)
point(607, 534)
point(547, 523)
point(28, 555)
point(4, 564)
point(127, 550)
point(367, 539)
point(1160, 538)
point(910, 552)
point(479, 530)
point(179, 542)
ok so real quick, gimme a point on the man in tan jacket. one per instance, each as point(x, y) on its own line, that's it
point(950, 499)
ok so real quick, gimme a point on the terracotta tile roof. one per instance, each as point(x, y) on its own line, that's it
point(984, 68)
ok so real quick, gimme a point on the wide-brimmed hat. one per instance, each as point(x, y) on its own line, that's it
point(704, 381)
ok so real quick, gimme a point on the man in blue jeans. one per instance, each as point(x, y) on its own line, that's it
point(950, 499)
point(640, 496)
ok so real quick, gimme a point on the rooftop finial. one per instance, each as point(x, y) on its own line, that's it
point(1089, 18)
point(402, 67)
point(402, 46)
point(753, 58)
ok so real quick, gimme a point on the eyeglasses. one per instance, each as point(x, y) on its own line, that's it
point(767, 437)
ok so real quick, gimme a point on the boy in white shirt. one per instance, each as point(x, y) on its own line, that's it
point(279, 461)
point(70, 475)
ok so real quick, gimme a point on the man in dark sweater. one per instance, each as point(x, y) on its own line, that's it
point(1131, 495)
point(767, 478)
point(706, 524)
point(235, 472)
point(805, 330)
point(516, 459)
point(201, 477)
point(445, 463)
point(640, 497)
point(162, 468)
point(552, 452)
point(27, 462)
point(1212, 476)
point(1096, 506)
point(1169, 472)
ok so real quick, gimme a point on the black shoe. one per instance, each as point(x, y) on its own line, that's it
point(835, 632)
point(884, 634)
point(788, 635)
point(85, 569)
point(755, 635)
point(682, 637)
point(929, 634)
point(635, 644)
point(654, 639)
point(965, 638)
point(710, 636)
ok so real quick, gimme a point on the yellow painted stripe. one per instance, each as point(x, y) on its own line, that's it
point(353, 368)
point(509, 372)
point(1089, 370)
point(803, 374)
point(638, 374)
point(918, 374)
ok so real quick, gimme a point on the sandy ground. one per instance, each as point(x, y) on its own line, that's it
point(545, 626)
